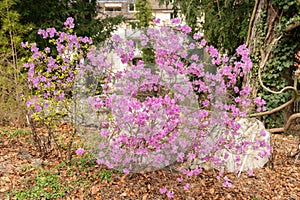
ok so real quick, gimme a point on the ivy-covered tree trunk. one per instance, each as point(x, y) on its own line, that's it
point(272, 33)
point(261, 33)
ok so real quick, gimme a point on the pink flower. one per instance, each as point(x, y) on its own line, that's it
point(69, 22)
point(156, 21)
point(250, 172)
point(203, 42)
point(186, 187)
point(126, 171)
point(170, 194)
point(196, 36)
point(180, 179)
point(80, 151)
point(175, 20)
point(163, 190)
point(100, 162)
point(186, 29)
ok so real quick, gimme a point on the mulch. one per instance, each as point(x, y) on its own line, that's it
point(279, 179)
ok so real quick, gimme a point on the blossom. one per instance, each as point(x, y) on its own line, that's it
point(69, 22)
point(175, 20)
point(163, 190)
point(24, 44)
point(203, 42)
point(196, 36)
point(186, 187)
point(250, 172)
point(186, 29)
point(170, 194)
point(180, 179)
point(51, 31)
point(156, 21)
point(80, 151)
point(163, 122)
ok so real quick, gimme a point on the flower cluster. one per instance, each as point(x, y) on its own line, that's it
point(52, 71)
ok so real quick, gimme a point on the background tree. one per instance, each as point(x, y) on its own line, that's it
point(273, 38)
point(145, 18)
point(12, 81)
point(47, 13)
point(270, 29)
point(144, 13)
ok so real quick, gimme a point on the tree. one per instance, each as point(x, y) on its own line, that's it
point(145, 18)
point(144, 13)
point(47, 13)
point(189, 9)
point(12, 82)
point(272, 37)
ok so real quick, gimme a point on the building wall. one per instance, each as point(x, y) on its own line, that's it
point(127, 9)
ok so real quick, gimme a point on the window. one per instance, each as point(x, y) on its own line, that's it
point(112, 9)
point(173, 15)
point(131, 7)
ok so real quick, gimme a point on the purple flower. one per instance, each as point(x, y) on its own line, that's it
point(28, 102)
point(203, 42)
point(175, 20)
point(163, 190)
point(100, 162)
point(52, 32)
point(156, 21)
point(24, 45)
point(180, 179)
point(80, 151)
point(69, 22)
point(250, 172)
point(126, 171)
point(186, 29)
point(37, 107)
point(43, 33)
point(186, 187)
point(192, 156)
point(170, 194)
point(196, 36)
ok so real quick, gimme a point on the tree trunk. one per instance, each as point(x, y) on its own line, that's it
point(263, 36)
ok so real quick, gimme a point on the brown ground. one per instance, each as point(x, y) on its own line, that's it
point(19, 169)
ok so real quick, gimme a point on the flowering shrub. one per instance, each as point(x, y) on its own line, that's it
point(52, 71)
point(51, 75)
point(174, 121)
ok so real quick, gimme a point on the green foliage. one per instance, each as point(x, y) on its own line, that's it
point(144, 13)
point(145, 18)
point(61, 179)
point(226, 22)
point(46, 185)
point(12, 81)
point(19, 133)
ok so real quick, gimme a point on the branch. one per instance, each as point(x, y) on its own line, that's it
point(275, 109)
point(292, 26)
point(287, 125)
point(251, 23)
